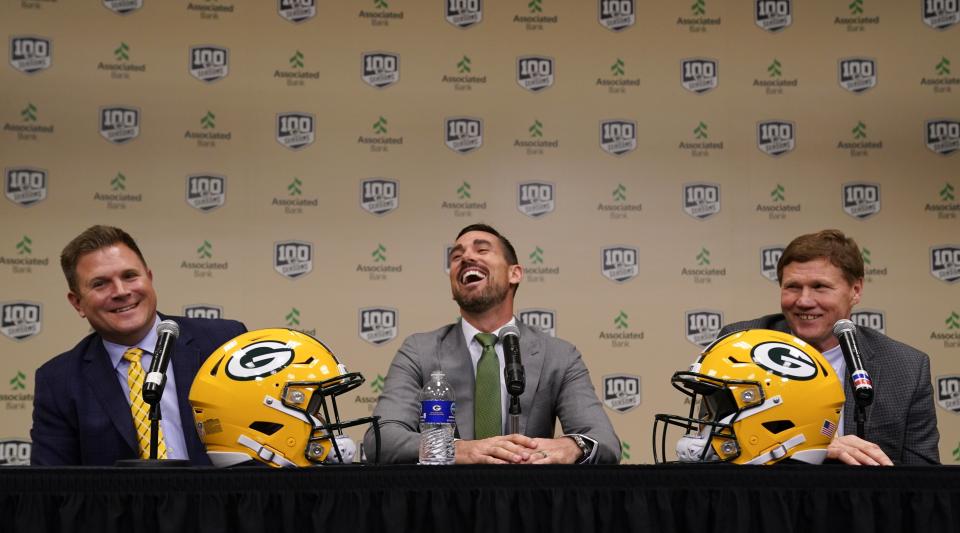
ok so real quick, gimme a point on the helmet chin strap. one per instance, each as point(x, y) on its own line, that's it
point(267, 454)
point(779, 451)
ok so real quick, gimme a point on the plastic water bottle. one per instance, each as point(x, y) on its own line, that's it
point(437, 421)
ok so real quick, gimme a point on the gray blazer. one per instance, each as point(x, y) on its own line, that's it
point(558, 386)
point(902, 419)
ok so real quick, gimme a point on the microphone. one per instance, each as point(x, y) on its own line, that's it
point(167, 333)
point(859, 378)
point(513, 368)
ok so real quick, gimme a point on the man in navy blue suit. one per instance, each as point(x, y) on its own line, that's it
point(81, 406)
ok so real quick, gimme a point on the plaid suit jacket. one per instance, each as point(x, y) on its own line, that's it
point(902, 419)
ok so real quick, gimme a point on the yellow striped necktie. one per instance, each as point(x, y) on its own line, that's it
point(139, 409)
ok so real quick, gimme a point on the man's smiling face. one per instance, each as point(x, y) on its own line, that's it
point(813, 296)
point(480, 276)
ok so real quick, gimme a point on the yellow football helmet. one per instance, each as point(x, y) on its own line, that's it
point(763, 396)
point(263, 396)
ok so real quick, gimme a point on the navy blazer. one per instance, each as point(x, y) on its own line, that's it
point(80, 414)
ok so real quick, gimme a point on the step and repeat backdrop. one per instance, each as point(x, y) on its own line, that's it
point(304, 164)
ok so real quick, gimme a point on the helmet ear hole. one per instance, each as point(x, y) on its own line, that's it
point(777, 426)
point(267, 428)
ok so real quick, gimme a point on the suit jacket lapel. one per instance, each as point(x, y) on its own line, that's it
point(101, 378)
point(532, 359)
point(456, 364)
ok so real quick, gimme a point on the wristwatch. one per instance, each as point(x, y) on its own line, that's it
point(582, 444)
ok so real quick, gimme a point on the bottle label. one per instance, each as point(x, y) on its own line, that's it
point(438, 412)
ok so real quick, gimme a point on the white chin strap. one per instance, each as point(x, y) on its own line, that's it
point(267, 454)
point(778, 452)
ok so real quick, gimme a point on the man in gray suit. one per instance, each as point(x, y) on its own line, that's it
point(821, 279)
point(484, 277)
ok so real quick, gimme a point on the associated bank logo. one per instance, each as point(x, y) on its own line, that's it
point(857, 74)
point(870, 318)
point(541, 319)
point(776, 137)
point(379, 196)
point(942, 136)
point(616, 15)
point(203, 311)
point(861, 200)
point(463, 13)
point(119, 124)
point(621, 392)
point(535, 73)
point(297, 11)
point(940, 14)
point(948, 393)
point(25, 186)
point(293, 259)
point(378, 325)
point(945, 263)
point(769, 257)
point(209, 63)
point(30, 54)
point(15, 452)
point(699, 74)
point(702, 326)
point(536, 198)
point(618, 137)
point(619, 263)
point(20, 320)
point(295, 130)
point(463, 134)
point(206, 192)
point(380, 69)
point(701, 200)
point(773, 15)
point(123, 7)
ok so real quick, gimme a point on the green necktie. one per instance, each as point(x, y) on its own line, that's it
point(486, 402)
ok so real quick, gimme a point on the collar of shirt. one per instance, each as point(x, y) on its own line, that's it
point(476, 350)
point(148, 344)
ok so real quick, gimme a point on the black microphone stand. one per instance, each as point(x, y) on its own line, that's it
point(155, 417)
point(513, 420)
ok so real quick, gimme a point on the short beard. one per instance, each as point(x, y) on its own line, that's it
point(482, 302)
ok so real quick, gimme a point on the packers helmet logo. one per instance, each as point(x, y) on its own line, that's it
point(258, 360)
point(784, 360)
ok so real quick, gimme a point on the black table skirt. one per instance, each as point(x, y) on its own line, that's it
point(461, 499)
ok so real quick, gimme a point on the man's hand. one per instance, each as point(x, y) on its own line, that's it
point(853, 450)
point(505, 449)
point(562, 451)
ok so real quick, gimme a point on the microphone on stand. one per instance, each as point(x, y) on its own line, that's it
point(860, 380)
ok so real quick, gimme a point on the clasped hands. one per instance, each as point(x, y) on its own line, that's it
point(517, 449)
